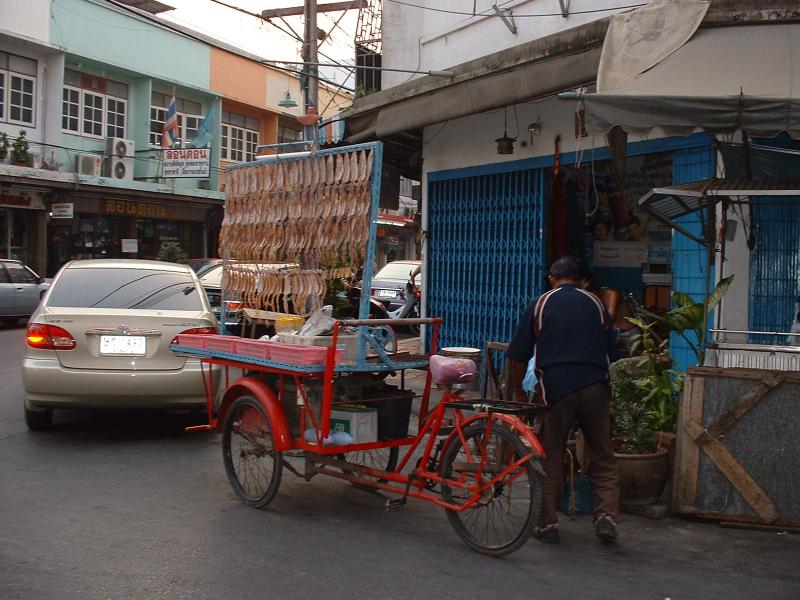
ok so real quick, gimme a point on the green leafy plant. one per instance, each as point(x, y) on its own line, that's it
point(644, 392)
point(172, 252)
point(20, 149)
point(689, 316)
point(646, 387)
point(4, 145)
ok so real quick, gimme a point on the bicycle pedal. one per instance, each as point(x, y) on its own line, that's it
point(395, 503)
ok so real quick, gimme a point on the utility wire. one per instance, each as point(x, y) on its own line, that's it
point(486, 13)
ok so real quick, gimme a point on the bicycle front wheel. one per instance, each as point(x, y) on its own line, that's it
point(500, 520)
point(252, 464)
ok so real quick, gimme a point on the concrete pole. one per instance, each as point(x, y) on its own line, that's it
point(310, 57)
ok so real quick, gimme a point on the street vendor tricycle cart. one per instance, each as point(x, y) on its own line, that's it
point(475, 458)
point(294, 223)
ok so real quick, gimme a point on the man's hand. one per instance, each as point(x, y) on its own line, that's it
point(516, 373)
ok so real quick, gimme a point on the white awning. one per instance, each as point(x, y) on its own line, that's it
point(723, 79)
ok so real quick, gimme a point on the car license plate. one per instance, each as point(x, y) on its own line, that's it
point(387, 294)
point(123, 344)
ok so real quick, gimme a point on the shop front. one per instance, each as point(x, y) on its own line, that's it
point(22, 221)
point(83, 227)
point(396, 239)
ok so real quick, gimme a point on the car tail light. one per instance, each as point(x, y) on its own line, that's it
point(49, 337)
point(233, 304)
point(195, 331)
point(372, 292)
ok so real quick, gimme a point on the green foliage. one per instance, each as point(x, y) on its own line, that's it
point(644, 393)
point(172, 252)
point(20, 149)
point(688, 316)
point(645, 388)
point(4, 145)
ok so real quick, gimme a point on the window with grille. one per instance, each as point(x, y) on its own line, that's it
point(93, 106)
point(70, 109)
point(239, 137)
point(17, 89)
point(92, 115)
point(115, 117)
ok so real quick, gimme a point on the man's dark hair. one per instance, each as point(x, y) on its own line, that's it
point(567, 267)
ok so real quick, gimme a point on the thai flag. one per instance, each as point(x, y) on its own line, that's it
point(170, 133)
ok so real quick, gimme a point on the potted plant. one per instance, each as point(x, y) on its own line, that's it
point(4, 145)
point(171, 251)
point(645, 394)
point(20, 150)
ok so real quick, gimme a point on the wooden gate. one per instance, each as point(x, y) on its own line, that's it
point(738, 446)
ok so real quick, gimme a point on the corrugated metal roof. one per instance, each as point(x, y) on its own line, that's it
point(677, 200)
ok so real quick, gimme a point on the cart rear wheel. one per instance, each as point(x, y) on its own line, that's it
point(499, 522)
point(252, 464)
point(380, 459)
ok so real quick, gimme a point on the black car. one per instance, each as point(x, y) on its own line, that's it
point(211, 280)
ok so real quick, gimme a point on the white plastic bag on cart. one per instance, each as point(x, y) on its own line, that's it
point(321, 321)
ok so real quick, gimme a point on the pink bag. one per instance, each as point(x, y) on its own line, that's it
point(447, 370)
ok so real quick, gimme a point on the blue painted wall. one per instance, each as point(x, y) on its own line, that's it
point(689, 259)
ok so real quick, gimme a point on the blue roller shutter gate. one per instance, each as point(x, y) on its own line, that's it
point(486, 251)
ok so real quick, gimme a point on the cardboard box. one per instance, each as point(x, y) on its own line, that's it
point(361, 423)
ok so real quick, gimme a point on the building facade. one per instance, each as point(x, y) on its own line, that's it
point(91, 83)
point(510, 179)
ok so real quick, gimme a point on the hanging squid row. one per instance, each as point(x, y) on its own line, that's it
point(317, 207)
point(302, 212)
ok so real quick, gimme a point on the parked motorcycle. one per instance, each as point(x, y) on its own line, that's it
point(411, 305)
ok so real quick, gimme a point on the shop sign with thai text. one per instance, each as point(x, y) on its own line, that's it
point(187, 162)
point(16, 198)
point(62, 210)
point(136, 209)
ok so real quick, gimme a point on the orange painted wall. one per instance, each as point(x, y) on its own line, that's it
point(238, 78)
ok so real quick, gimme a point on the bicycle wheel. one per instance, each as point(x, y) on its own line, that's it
point(380, 459)
point(500, 521)
point(253, 466)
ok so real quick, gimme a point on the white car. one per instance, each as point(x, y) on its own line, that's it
point(100, 339)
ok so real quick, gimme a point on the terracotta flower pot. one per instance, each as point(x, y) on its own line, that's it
point(642, 477)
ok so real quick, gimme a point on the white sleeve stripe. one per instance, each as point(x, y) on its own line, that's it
point(539, 310)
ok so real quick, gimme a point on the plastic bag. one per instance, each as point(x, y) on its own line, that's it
point(321, 321)
point(531, 379)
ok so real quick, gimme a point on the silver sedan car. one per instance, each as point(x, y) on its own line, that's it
point(100, 339)
point(20, 291)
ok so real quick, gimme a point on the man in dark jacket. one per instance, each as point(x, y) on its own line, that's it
point(568, 328)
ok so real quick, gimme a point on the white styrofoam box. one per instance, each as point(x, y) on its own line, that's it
point(348, 342)
point(361, 423)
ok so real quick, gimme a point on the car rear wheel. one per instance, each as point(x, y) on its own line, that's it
point(38, 420)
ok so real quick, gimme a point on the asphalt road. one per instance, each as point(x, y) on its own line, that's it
point(128, 506)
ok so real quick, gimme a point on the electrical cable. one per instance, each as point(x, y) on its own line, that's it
point(493, 14)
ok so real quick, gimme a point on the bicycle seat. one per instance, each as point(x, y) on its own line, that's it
point(447, 370)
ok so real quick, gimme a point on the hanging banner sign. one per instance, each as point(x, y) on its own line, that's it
point(620, 254)
point(187, 162)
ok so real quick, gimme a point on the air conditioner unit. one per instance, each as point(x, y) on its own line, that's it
point(88, 164)
point(120, 148)
point(118, 168)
